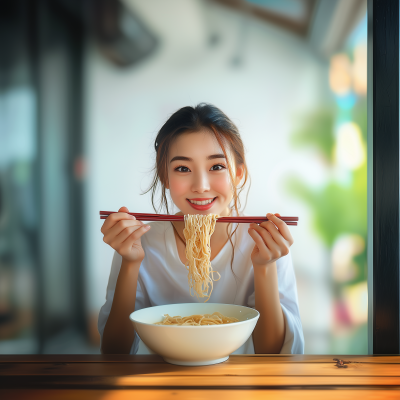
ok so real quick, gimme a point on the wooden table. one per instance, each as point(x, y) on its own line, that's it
point(240, 378)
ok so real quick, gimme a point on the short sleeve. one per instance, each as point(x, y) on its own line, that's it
point(142, 300)
point(294, 339)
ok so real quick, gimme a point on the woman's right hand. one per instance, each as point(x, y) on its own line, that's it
point(123, 232)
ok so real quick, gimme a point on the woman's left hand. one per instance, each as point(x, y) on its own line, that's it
point(272, 239)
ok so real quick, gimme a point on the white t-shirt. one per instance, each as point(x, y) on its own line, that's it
point(163, 280)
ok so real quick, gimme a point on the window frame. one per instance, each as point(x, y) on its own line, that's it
point(383, 178)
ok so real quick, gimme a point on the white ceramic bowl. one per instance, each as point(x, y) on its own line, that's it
point(194, 345)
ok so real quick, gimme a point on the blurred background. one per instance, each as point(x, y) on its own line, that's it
point(86, 84)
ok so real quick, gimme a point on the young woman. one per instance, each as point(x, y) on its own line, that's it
point(200, 162)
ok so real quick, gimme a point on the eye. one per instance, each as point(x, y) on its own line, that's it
point(217, 167)
point(182, 168)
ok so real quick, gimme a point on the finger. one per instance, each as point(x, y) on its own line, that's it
point(262, 248)
point(134, 236)
point(274, 232)
point(114, 218)
point(282, 227)
point(282, 243)
point(115, 230)
point(123, 235)
point(269, 241)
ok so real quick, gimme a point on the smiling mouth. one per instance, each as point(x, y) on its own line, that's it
point(201, 203)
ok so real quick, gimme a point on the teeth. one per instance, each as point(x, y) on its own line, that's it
point(201, 203)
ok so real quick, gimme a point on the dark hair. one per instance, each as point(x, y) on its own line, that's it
point(193, 119)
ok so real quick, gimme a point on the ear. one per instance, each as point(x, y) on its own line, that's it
point(239, 174)
point(166, 184)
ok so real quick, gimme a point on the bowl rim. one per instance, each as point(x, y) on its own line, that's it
point(196, 326)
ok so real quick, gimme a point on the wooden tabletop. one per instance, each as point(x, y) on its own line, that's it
point(241, 377)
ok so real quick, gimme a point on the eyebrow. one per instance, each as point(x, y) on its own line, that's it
point(212, 157)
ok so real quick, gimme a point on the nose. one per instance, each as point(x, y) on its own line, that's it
point(200, 183)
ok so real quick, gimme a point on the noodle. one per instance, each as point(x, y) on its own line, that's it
point(197, 232)
point(215, 318)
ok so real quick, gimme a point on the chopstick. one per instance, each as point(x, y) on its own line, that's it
point(166, 217)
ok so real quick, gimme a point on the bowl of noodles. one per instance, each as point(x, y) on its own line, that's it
point(194, 333)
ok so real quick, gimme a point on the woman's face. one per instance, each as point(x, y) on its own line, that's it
point(198, 175)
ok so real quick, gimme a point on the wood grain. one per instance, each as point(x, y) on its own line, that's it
point(219, 370)
point(116, 375)
point(253, 358)
point(198, 394)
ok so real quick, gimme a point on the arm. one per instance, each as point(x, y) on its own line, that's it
point(119, 332)
point(123, 232)
point(272, 241)
point(269, 333)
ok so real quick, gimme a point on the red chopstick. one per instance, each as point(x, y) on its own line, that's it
point(166, 217)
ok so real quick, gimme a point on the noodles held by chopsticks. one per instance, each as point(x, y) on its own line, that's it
point(197, 232)
point(215, 318)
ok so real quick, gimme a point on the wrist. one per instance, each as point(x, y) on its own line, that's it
point(131, 265)
point(263, 269)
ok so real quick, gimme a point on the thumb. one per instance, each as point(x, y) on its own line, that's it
point(123, 209)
